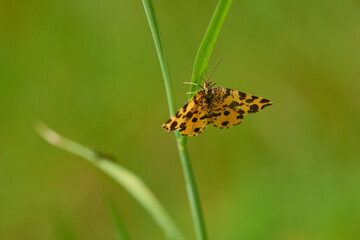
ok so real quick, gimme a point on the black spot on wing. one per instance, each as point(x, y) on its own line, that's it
point(225, 123)
point(189, 114)
point(173, 126)
point(264, 100)
point(242, 95)
point(241, 111)
point(265, 105)
point(254, 108)
point(234, 104)
point(184, 107)
point(226, 113)
point(196, 129)
point(215, 114)
point(194, 119)
point(178, 115)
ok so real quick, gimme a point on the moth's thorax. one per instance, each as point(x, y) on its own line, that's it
point(209, 91)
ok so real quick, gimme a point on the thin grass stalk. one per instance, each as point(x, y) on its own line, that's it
point(184, 156)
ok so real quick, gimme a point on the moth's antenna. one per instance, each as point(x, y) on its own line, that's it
point(195, 73)
point(214, 69)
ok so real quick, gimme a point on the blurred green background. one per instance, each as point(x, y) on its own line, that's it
point(89, 69)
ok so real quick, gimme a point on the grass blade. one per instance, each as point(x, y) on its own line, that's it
point(123, 235)
point(206, 47)
point(208, 42)
point(127, 179)
point(192, 192)
point(155, 30)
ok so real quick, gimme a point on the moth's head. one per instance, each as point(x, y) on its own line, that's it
point(207, 84)
point(208, 87)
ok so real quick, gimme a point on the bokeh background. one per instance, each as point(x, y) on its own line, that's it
point(89, 69)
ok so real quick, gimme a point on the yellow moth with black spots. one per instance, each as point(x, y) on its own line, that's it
point(222, 107)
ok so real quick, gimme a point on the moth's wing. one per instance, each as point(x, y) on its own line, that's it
point(196, 123)
point(191, 119)
point(229, 106)
point(225, 118)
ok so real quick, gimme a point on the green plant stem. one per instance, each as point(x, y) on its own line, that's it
point(155, 30)
point(184, 156)
point(195, 206)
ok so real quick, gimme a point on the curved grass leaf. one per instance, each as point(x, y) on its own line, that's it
point(127, 179)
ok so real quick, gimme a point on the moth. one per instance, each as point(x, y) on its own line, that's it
point(222, 107)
